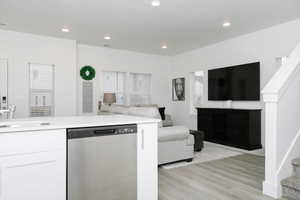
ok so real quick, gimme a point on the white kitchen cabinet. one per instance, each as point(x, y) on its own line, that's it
point(147, 162)
point(33, 164)
point(33, 168)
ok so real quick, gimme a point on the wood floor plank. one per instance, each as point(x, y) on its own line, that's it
point(234, 178)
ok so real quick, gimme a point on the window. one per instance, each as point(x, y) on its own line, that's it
point(196, 90)
point(140, 88)
point(41, 87)
point(130, 88)
point(115, 82)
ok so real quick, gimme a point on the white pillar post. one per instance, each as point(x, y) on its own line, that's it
point(270, 185)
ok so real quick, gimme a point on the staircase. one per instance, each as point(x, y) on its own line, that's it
point(291, 185)
point(282, 129)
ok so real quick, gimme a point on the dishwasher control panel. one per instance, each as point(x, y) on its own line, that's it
point(74, 133)
point(125, 130)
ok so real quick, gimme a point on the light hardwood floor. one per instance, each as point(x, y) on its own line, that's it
point(233, 178)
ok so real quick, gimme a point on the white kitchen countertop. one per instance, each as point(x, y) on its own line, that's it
point(34, 124)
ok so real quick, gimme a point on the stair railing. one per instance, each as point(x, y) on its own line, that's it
point(281, 121)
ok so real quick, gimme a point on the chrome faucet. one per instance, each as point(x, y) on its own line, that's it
point(10, 111)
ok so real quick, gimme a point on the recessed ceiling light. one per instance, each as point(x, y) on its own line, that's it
point(66, 30)
point(107, 37)
point(155, 3)
point(226, 24)
point(164, 46)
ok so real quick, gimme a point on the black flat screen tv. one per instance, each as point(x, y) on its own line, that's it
point(236, 83)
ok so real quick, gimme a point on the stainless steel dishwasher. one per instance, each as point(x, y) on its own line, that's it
point(102, 163)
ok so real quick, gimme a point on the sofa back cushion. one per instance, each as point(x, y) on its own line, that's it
point(105, 108)
point(119, 109)
point(146, 105)
point(151, 112)
point(115, 108)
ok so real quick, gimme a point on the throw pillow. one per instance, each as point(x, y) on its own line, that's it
point(162, 112)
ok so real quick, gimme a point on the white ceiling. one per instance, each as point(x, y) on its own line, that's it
point(135, 25)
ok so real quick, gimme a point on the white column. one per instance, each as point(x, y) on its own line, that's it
point(270, 185)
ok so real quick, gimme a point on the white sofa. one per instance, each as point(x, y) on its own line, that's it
point(174, 142)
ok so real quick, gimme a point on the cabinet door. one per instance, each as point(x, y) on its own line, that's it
point(204, 122)
point(238, 128)
point(147, 162)
point(34, 176)
point(219, 127)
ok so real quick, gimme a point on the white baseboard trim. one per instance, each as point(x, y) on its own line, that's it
point(272, 190)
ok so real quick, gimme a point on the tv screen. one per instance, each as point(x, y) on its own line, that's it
point(237, 83)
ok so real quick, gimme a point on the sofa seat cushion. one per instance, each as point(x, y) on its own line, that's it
point(172, 133)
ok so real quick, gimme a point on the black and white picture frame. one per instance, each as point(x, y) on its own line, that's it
point(178, 89)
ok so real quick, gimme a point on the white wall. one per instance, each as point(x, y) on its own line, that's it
point(20, 49)
point(68, 56)
point(106, 59)
point(264, 46)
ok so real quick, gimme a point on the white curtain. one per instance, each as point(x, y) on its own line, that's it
point(140, 88)
point(196, 90)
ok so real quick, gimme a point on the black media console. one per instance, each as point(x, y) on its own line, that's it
point(232, 127)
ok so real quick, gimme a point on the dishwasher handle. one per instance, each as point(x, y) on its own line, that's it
point(104, 132)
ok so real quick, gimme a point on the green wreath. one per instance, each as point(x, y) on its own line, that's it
point(87, 73)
